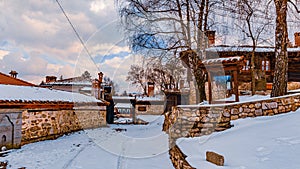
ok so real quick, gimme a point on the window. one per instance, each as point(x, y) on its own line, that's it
point(265, 65)
point(247, 66)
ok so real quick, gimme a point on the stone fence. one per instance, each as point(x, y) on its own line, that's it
point(19, 126)
point(49, 124)
point(199, 120)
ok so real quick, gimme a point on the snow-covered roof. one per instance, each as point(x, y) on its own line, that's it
point(246, 49)
point(140, 98)
point(86, 89)
point(222, 60)
point(154, 98)
point(123, 105)
point(73, 83)
point(25, 93)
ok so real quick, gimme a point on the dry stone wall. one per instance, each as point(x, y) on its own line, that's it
point(178, 158)
point(155, 109)
point(195, 121)
point(198, 120)
point(49, 124)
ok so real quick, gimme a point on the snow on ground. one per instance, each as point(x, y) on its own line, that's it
point(27, 93)
point(253, 143)
point(260, 143)
point(247, 98)
point(144, 147)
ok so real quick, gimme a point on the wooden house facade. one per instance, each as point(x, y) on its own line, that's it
point(266, 57)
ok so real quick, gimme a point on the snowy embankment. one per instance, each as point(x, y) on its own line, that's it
point(253, 143)
point(144, 147)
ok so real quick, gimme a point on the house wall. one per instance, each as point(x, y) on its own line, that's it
point(154, 109)
point(49, 124)
point(10, 128)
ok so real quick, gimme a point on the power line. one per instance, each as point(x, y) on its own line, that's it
point(77, 34)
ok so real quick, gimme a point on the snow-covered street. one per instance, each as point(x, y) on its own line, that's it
point(260, 143)
point(104, 148)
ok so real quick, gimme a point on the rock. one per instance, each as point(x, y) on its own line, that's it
point(215, 158)
point(234, 111)
point(251, 106)
point(258, 105)
point(258, 112)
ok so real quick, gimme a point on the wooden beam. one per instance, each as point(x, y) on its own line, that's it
point(236, 86)
point(209, 88)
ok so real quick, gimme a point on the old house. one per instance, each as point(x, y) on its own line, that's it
point(29, 114)
point(74, 84)
point(266, 57)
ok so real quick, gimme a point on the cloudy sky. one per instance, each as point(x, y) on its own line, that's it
point(36, 39)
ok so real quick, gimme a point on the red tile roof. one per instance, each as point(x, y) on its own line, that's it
point(8, 80)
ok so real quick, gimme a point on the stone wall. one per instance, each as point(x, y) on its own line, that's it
point(195, 121)
point(154, 109)
point(198, 120)
point(268, 107)
point(49, 124)
point(191, 121)
point(178, 158)
point(10, 128)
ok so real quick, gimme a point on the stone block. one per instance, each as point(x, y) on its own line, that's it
point(226, 113)
point(247, 110)
point(271, 105)
point(215, 158)
point(251, 106)
point(258, 105)
point(235, 117)
point(241, 109)
point(258, 112)
point(234, 111)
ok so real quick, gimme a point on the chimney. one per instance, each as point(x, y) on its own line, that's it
point(100, 78)
point(211, 37)
point(13, 73)
point(50, 79)
point(150, 89)
point(297, 39)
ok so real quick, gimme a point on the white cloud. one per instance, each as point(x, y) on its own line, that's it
point(101, 7)
point(41, 41)
point(3, 53)
point(117, 69)
point(108, 48)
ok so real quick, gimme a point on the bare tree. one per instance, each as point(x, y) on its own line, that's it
point(136, 75)
point(164, 76)
point(255, 18)
point(281, 42)
point(166, 27)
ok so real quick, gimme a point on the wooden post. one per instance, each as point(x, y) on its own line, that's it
point(236, 86)
point(209, 88)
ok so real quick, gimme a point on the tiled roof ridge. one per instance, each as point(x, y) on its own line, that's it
point(17, 79)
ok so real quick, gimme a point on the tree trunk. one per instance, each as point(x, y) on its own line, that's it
point(191, 59)
point(253, 72)
point(200, 82)
point(281, 35)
